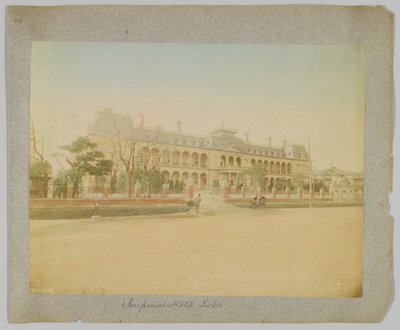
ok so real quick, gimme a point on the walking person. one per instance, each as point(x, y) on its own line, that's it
point(197, 201)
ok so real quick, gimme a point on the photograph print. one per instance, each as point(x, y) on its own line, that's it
point(189, 169)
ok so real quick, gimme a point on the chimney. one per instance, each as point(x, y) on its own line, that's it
point(141, 120)
point(179, 126)
point(247, 137)
point(269, 141)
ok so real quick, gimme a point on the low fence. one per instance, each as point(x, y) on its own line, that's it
point(296, 203)
point(53, 209)
point(68, 202)
point(86, 212)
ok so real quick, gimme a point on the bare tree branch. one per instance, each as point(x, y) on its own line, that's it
point(35, 149)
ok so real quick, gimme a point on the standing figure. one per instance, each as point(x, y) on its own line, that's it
point(197, 201)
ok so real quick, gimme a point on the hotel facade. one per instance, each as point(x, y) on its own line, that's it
point(219, 156)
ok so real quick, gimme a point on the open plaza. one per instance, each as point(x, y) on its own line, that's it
point(223, 250)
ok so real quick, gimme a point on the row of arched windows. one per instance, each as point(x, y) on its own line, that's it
point(195, 159)
point(175, 158)
point(199, 179)
point(273, 167)
point(269, 167)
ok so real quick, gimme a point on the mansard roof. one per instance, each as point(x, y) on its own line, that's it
point(109, 122)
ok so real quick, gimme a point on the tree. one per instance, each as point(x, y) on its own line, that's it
point(257, 174)
point(84, 158)
point(124, 145)
point(298, 183)
point(39, 168)
point(122, 151)
point(121, 182)
point(61, 183)
point(150, 161)
point(39, 175)
point(156, 181)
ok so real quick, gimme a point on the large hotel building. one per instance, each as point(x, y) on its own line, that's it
point(219, 155)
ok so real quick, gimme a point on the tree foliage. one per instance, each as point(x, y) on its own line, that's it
point(257, 175)
point(151, 182)
point(84, 157)
point(39, 169)
point(257, 172)
point(60, 184)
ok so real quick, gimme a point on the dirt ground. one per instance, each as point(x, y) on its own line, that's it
point(311, 252)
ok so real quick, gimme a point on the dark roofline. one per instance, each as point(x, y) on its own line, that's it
point(228, 130)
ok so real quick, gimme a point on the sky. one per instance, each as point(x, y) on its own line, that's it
point(280, 91)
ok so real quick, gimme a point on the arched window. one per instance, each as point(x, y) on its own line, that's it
point(223, 161)
point(185, 176)
point(283, 168)
point(239, 161)
point(278, 168)
point(195, 159)
point(272, 167)
point(176, 155)
point(166, 156)
point(289, 169)
point(185, 158)
point(266, 169)
point(195, 177)
point(203, 160)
